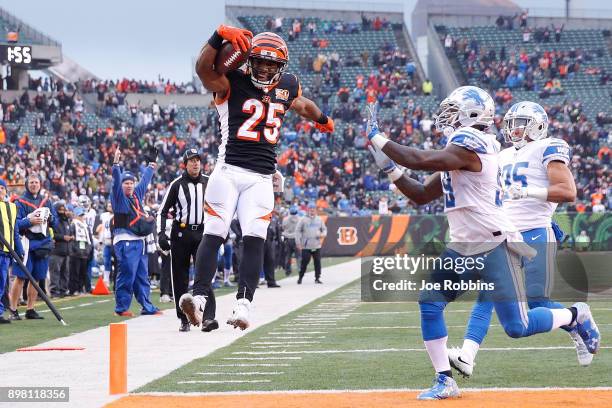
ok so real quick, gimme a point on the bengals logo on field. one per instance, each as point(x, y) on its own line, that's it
point(347, 235)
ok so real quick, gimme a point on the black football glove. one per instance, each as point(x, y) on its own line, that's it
point(164, 244)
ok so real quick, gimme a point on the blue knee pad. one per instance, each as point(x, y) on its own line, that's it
point(540, 321)
point(433, 325)
point(479, 322)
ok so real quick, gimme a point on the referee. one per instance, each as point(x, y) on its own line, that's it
point(185, 198)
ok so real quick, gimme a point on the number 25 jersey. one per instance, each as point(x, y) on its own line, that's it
point(250, 120)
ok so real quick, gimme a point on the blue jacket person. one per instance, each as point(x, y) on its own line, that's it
point(130, 226)
point(36, 220)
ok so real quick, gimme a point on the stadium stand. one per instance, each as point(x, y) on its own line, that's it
point(342, 65)
point(567, 74)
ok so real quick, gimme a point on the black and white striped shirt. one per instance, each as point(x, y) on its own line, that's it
point(185, 197)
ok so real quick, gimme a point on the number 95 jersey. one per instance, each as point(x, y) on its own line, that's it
point(250, 120)
point(528, 166)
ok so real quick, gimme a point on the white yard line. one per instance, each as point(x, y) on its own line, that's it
point(246, 373)
point(298, 332)
point(258, 343)
point(149, 337)
point(250, 365)
point(290, 337)
point(261, 358)
point(461, 326)
point(377, 390)
point(402, 350)
point(223, 381)
point(278, 346)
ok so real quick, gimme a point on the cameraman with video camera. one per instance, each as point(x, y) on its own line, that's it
point(131, 224)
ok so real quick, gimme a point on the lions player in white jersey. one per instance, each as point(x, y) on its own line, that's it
point(90, 217)
point(536, 177)
point(467, 174)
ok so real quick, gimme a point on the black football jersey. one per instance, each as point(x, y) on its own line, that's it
point(250, 120)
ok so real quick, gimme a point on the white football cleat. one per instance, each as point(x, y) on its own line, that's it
point(165, 299)
point(587, 328)
point(463, 365)
point(584, 357)
point(193, 307)
point(240, 314)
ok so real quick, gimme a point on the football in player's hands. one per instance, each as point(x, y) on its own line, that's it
point(229, 59)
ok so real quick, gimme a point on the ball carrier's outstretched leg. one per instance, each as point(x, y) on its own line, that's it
point(231, 190)
point(201, 307)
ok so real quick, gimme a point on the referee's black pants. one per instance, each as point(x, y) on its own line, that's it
point(184, 246)
point(316, 256)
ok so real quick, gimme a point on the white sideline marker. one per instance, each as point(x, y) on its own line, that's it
point(299, 332)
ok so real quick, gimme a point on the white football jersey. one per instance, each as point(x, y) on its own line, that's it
point(90, 219)
point(473, 200)
point(527, 166)
point(105, 219)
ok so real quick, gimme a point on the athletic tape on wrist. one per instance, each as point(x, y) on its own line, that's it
point(541, 193)
point(379, 140)
point(395, 174)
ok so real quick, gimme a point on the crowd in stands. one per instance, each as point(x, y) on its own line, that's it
point(119, 86)
point(543, 69)
point(333, 170)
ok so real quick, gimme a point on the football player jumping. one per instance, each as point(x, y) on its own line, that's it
point(467, 175)
point(536, 177)
point(251, 107)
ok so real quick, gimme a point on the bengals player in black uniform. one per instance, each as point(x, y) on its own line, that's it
point(251, 106)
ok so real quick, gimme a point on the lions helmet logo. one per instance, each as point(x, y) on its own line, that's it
point(347, 236)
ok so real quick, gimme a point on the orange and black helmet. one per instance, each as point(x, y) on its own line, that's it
point(267, 46)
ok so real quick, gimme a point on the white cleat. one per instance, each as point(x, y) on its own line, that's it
point(587, 328)
point(240, 314)
point(584, 357)
point(463, 365)
point(193, 307)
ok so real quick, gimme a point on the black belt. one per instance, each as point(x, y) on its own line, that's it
point(192, 227)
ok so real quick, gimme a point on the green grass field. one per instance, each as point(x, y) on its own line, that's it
point(87, 312)
point(338, 342)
